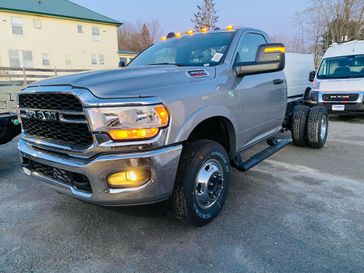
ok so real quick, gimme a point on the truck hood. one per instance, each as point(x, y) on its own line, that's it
point(342, 85)
point(131, 82)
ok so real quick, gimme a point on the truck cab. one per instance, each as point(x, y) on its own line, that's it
point(168, 126)
point(339, 82)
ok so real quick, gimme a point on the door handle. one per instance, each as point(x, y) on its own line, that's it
point(278, 81)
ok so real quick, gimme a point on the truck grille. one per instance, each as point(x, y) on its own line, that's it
point(340, 97)
point(79, 181)
point(66, 133)
point(55, 118)
point(63, 102)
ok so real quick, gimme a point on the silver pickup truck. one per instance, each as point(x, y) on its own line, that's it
point(168, 126)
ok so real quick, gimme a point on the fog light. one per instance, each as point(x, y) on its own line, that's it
point(129, 179)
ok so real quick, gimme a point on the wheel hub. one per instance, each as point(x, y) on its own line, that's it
point(323, 127)
point(209, 184)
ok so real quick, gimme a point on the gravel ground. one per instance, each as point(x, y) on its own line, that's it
point(300, 211)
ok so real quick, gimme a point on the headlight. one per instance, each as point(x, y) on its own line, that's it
point(129, 123)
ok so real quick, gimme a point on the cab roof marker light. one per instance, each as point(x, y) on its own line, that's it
point(204, 29)
point(178, 35)
point(164, 38)
point(230, 27)
point(190, 32)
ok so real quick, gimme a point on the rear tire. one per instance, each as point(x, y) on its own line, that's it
point(299, 125)
point(202, 182)
point(317, 127)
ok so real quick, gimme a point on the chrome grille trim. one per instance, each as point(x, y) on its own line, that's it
point(88, 100)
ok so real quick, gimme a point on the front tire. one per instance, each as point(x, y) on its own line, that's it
point(317, 127)
point(202, 182)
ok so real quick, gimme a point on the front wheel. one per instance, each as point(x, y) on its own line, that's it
point(202, 182)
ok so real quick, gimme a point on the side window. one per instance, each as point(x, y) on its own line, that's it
point(248, 47)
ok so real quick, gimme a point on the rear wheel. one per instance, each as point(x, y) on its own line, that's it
point(202, 182)
point(299, 125)
point(317, 127)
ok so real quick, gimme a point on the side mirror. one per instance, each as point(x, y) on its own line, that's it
point(270, 58)
point(122, 64)
point(312, 76)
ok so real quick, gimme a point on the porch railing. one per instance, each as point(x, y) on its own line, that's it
point(25, 76)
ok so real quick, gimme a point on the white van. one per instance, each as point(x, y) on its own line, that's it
point(298, 68)
point(339, 82)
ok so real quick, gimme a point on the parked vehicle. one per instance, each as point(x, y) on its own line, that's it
point(298, 68)
point(169, 125)
point(339, 83)
point(9, 127)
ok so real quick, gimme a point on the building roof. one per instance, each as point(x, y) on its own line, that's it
point(127, 52)
point(57, 8)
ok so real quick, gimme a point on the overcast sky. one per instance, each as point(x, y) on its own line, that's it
point(272, 16)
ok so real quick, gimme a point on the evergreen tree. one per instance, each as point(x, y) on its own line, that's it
point(146, 38)
point(205, 16)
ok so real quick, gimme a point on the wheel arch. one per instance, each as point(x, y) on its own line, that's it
point(201, 124)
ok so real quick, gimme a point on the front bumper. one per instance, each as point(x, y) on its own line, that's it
point(162, 163)
point(351, 107)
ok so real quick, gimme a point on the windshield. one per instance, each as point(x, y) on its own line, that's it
point(342, 67)
point(206, 49)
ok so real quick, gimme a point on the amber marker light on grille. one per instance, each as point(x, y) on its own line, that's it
point(133, 134)
point(129, 179)
point(277, 49)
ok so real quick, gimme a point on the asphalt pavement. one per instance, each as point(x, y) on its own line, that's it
point(302, 210)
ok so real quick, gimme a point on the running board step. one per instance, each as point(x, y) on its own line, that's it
point(259, 157)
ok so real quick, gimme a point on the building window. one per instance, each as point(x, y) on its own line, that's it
point(68, 61)
point(96, 34)
point(27, 59)
point(37, 24)
point(14, 60)
point(94, 59)
point(124, 60)
point(102, 59)
point(79, 28)
point(97, 59)
point(18, 58)
point(17, 25)
point(45, 59)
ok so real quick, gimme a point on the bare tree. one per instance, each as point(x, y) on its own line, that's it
point(138, 36)
point(293, 44)
point(329, 21)
point(126, 36)
point(344, 19)
point(205, 16)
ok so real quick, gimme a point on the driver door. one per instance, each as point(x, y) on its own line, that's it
point(262, 96)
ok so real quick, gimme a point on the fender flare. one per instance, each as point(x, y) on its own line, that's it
point(203, 114)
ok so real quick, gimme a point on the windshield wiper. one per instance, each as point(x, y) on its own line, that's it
point(167, 64)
